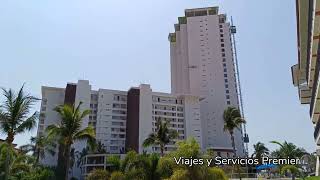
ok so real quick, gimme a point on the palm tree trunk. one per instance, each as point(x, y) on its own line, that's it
point(6, 174)
point(61, 161)
point(10, 139)
point(38, 155)
point(161, 150)
point(234, 151)
point(233, 145)
point(67, 156)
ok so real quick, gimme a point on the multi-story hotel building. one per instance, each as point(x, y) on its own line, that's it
point(305, 74)
point(202, 64)
point(122, 119)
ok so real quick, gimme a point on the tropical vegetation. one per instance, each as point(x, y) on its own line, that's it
point(232, 120)
point(69, 131)
point(260, 150)
point(162, 136)
point(24, 162)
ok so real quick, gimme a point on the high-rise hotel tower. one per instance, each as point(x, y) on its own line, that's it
point(202, 64)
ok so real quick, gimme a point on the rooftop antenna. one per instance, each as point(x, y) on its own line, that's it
point(233, 31)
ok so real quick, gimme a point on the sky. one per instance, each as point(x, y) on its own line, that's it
point(117, 44)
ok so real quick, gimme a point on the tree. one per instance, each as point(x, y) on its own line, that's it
point(81, 154)
point(189, 149)
point(232, 120)
point(162, 136)
point(39, 173)
point(15, 116)
point(39, 146)
point(19, 163)
point(114, 162)
point(216, 174)
point(165, 167)
point(260, 150)
point(288, 150)
point(98, 174)
point(69, 130)
point(100, 148)
point(117, 175)
point(136, 166)
point(291, 169)
point(180, 174)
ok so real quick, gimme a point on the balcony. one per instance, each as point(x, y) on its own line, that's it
point(315, 96)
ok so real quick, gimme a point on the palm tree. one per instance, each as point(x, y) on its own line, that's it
point(260, 150)
point(232, 120)
point(14, 116)
point(39, 146)
point(288, 150)
point(81, 154)
point(19, 162)
point(100, 148)
point(161, 137)
point(69, 130)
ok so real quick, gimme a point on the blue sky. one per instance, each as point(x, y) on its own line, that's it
point(117, 44)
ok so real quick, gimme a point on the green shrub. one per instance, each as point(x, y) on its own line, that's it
point(165, 167)
point(216, 174)
point(117, 175)
point(180, 174)
point(98, 174)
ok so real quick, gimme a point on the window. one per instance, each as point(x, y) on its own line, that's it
point(113, 148)
point(224, 65)
point(224, 70)
point(221, 30)
point(220, 26)
point(228, 102)
point(222, 45)
point(223, 59)
point(222, 40)
point(226, 80)
point(227, 91)
point(222, 49)
point(228, 96)
point(226, 86)
point(223, 55)
point(225, 75)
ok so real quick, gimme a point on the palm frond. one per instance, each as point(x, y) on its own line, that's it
point(150, 140)
point(276, 142)
point(28, 124)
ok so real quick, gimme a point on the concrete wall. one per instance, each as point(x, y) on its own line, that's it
point(53, 97)
point(199, 46)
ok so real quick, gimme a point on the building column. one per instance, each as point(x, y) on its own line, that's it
point(317, 166)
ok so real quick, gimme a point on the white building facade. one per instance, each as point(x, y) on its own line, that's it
point(145, 107)
point(202, 64)
point(122, 119)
